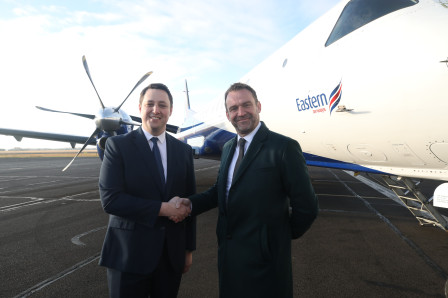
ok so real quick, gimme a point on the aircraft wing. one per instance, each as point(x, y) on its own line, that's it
point(169, 127)
point(19, 134)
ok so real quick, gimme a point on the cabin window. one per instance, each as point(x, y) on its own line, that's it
point(357, 13)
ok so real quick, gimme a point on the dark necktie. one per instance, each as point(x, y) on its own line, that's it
point(241, 144)
point(155, 150)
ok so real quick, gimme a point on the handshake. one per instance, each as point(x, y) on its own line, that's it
point(176, 209)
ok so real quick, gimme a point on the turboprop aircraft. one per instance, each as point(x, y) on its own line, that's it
point(363, 88)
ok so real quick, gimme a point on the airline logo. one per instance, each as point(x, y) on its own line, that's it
point(320, 103)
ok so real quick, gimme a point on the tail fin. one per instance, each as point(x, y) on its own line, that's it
point(187, 107)
point(189, 118)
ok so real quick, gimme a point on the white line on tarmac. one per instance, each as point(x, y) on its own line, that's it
point(74, 197)
point(208, 168)
point(76, 240)
point(40, 183)
point(381, 189)
point(57, 277)
point(37, 201)
point(34, 201)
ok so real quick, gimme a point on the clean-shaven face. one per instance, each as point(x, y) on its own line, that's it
point(155, 110)
point(242, 111)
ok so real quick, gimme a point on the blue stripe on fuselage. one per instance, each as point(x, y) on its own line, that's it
point(215, 138)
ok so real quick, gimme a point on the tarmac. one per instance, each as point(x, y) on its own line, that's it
point(363, 244)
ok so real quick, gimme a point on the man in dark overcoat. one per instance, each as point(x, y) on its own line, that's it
point(265, 199)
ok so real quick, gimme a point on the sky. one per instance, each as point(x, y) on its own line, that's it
point(211, 44)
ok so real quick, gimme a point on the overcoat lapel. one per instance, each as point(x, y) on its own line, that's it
point(226, 159)
point(142, 145)
point(252, 152)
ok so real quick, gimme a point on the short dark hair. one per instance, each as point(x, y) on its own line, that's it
point(237, 87)
point(158, 86)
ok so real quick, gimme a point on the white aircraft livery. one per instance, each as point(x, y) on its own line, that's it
point(364, 88)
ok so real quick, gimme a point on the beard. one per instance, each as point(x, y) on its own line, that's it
point(246, 127)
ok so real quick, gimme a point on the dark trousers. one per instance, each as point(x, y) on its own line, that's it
point(164, 282)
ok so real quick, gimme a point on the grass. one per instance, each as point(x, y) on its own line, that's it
point(47, 153)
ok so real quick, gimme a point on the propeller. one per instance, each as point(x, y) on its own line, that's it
point(86, 67)
point(108, 121)
point(83, 147)
point(76, 114)
point(136, 85)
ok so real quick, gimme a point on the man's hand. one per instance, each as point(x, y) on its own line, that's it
point(175, 209)
point(180, 203)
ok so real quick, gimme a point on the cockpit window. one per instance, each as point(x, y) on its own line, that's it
point(357, 13)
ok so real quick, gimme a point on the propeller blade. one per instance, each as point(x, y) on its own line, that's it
point(86, 67)
point(136, 85)
point(76, 114)
point(83, 147)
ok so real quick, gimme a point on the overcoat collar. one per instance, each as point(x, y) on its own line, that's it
point(255, 147)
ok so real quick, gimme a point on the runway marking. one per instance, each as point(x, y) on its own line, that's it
point(26, 187)
point(57, 277)
point(37, 201)
point(34, 201)
point(381, 189)
point(346, 196)
point(14, 179)
point(9, 177)
point(341, 211)
point(208, 168)
point(414, 246)
point(76, 240)
point(74, 197)
point(46, 182)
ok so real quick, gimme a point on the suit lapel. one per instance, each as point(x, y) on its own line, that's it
point(142, 145)
point(171, 160)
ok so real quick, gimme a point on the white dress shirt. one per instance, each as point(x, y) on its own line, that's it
point(248, 139)
point(162, 147)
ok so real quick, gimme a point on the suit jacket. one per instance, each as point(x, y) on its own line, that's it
point(132, 192)
point(255, 227)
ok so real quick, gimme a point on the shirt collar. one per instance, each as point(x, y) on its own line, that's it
point(250, 136)
point(148, 136)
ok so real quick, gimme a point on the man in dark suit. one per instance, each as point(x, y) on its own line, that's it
point(259, 179)
point(146, 253)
